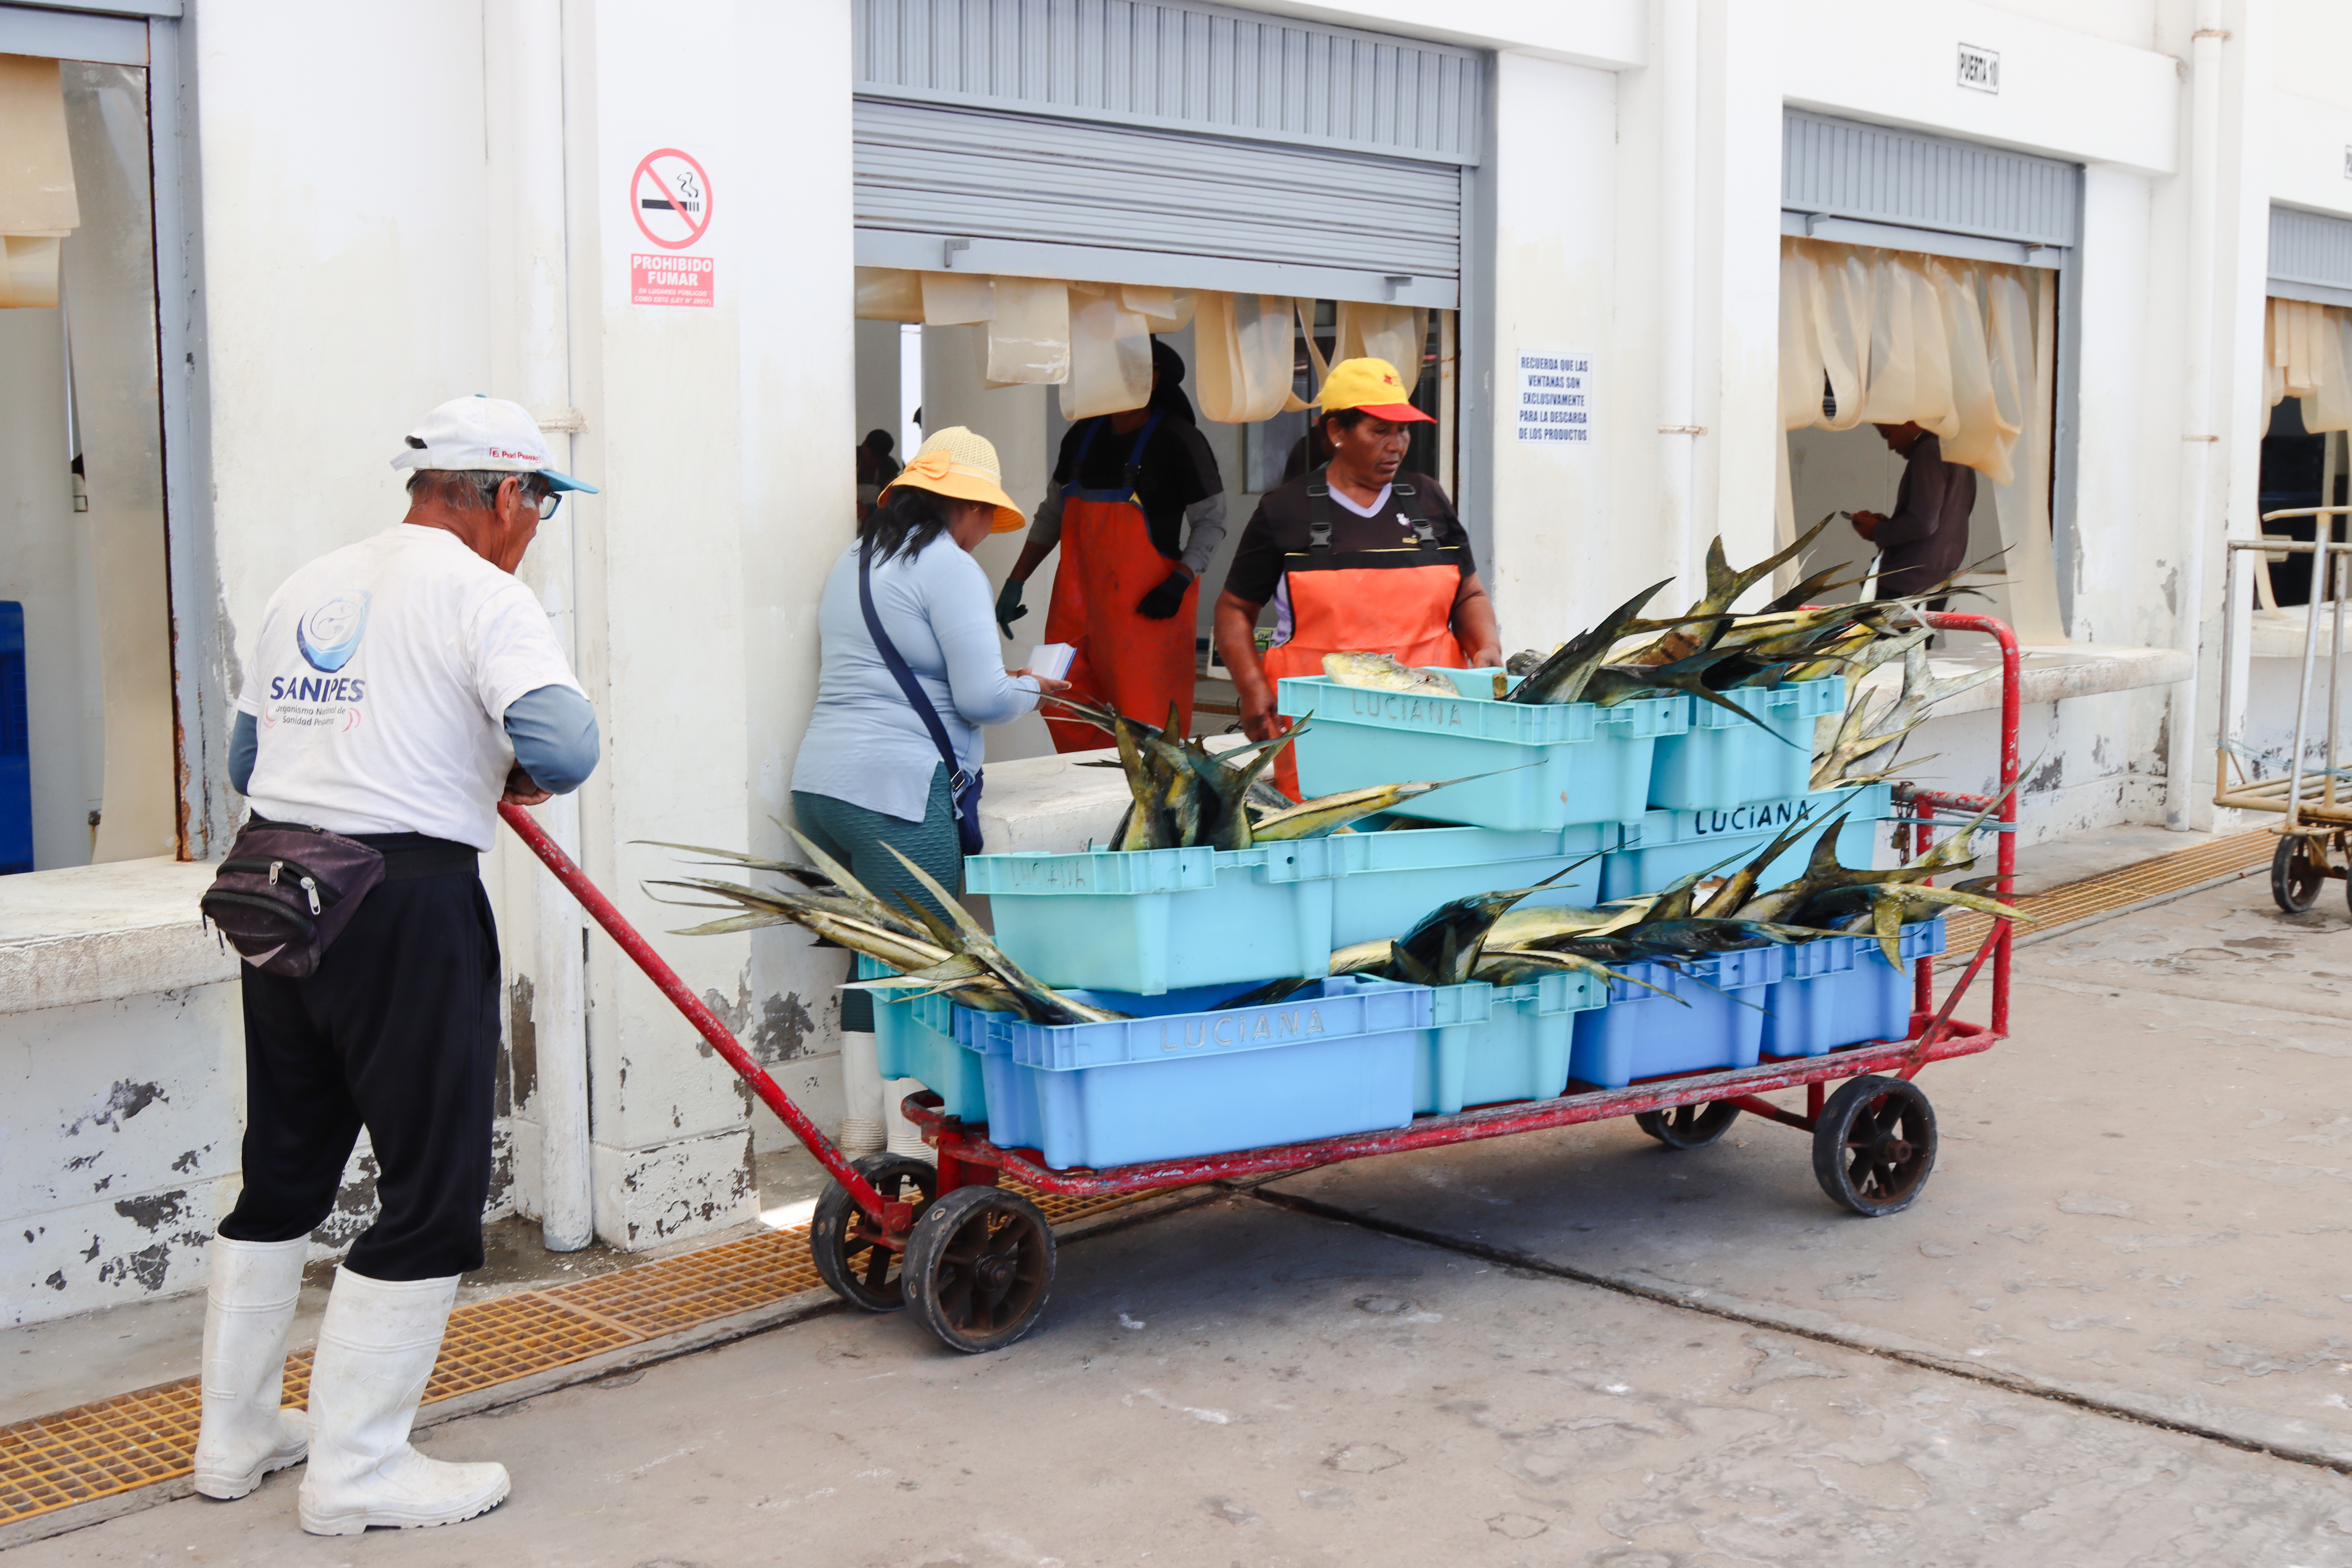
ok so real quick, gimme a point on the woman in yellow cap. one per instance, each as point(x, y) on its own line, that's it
point(1358, 556)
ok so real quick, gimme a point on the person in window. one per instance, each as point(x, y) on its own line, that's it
point(1124, 485)
point(1357, 556)
point(397, 689)
point(1926, 539)
point(875, 469)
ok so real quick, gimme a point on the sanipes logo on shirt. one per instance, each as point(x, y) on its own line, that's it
point(331, 634)
point(327, 638)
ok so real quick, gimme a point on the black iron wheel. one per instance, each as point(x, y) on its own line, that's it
point(1876, 1144)
point(841, 1238)
point(980, 1265)
point(1688, 1126)
point(2298, 871)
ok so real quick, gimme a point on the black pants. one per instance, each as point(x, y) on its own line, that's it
point(397, 1030)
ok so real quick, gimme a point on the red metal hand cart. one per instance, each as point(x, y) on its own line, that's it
point(975, 1259)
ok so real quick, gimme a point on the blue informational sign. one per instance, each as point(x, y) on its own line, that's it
point(15, 746)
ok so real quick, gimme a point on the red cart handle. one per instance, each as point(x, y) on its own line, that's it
point(895, 1218)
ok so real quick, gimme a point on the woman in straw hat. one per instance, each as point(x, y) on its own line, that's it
point(910, 672)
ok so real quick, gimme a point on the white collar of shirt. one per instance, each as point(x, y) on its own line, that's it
point(1378, 502)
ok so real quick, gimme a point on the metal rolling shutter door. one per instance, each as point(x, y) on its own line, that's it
point(1162, 142)
point(2311, 256)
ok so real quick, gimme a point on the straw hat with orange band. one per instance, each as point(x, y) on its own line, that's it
point(961, 465)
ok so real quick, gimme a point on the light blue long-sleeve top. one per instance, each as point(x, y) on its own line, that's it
point(866, 744)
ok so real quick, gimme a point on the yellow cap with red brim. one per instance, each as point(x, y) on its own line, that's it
point(1372, 385)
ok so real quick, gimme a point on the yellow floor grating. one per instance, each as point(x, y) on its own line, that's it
point(2120, 889)
point(136, 1439)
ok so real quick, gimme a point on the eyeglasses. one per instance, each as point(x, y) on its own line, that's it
point(548, 501)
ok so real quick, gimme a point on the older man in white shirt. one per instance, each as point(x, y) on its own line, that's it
point(397, 689)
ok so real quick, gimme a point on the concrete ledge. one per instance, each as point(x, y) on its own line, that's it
point(99, 933)
point(2280, 634)
point(2046, 674)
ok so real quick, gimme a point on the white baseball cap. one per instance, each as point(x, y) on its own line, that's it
point(483, 432)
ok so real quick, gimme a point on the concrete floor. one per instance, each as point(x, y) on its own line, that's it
point(1580, 1347)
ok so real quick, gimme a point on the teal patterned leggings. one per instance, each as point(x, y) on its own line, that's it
point(855, 837)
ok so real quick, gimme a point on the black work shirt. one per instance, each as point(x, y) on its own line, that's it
point(1279, 529)
point(1178, 470)
point(1925, 539)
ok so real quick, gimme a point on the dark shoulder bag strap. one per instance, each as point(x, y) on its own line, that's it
point(963, 789)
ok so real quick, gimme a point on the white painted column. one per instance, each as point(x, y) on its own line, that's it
point(524, 39)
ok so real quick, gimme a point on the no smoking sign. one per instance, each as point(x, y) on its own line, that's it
point(669, 197)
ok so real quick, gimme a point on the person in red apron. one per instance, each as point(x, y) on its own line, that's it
point(1358, 556)
point(1126, 595)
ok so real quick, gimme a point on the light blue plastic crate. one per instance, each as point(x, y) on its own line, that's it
point(1667, 846)
point(1841, 991)
point(1644, 1034)
point(1149, 922)
point(915, 1038)
point(1721, 756)
point(1185, 1077)
point(1568, 762)
point(1488, 1044)
point(1394, 876)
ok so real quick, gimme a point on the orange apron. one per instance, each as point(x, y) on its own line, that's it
point(1124, 660)
point(1399, 602)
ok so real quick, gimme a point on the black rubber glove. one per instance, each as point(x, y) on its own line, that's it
point(1008, 605)
point(1168, 598)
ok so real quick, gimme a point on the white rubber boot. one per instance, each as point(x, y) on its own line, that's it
point(861, 1093)
point(905, 1137)
point(376, 1350)
point(249, 1308)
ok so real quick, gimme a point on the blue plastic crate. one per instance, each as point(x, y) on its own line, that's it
point(1185, 1077)
point(1667, 846)
point(1568, 762)
point(1841, 991)
point(1488, 1044)
point(1721, 756)
point(1641, 1034)
point(1149, 922)
point(915, 1038)
point(1391, 876)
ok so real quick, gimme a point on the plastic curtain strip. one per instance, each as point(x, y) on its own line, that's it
point(1393, 332)
point(1110, 354)
point(2305, 355)
point(1029, 336)
point(1243, 345)
point(38, 206)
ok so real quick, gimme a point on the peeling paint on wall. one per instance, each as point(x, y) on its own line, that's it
point(118, 1105)
point(522, 1043)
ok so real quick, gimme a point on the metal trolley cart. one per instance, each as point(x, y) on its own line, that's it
point(2316, 839)
point(974, 1258)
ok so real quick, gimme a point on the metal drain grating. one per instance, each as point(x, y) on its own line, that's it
point(136, 1439)
point(2121, 888)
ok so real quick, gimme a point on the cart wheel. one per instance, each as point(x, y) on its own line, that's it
point(860, 1270)
point(980, 1262)
point(1688, 1126)
point(2298, 870)
point(1874, 1144)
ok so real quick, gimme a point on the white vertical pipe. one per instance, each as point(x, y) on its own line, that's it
point(1678, 280)
point(529, 35)
point(2197, 512)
